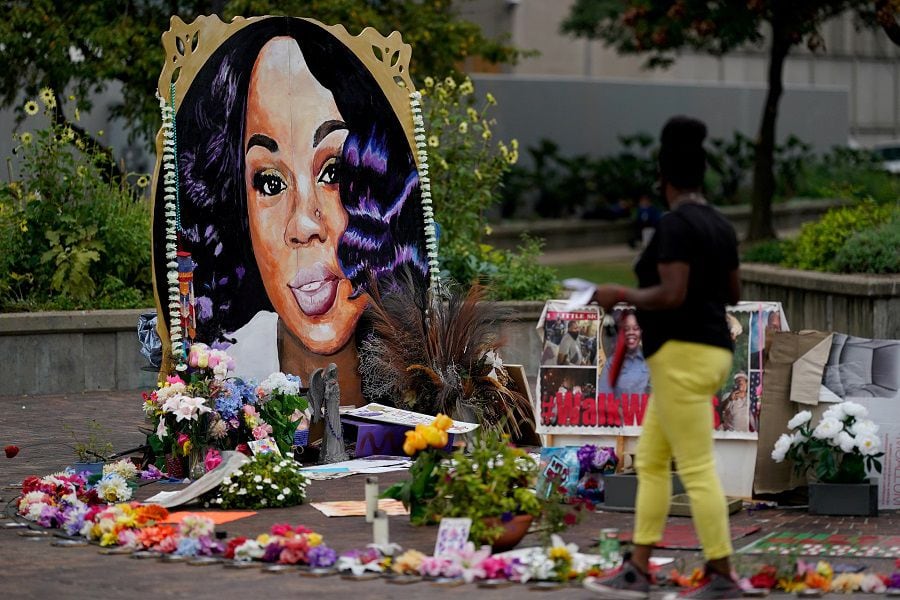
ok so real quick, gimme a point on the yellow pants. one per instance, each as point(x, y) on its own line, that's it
point(679, 424)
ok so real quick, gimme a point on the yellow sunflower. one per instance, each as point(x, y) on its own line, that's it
point(25, 137)
point(31, 107)
point(47, 96)
point(142, 181)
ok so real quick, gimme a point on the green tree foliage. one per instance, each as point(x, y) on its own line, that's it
point(81, 47)
point(660, 28)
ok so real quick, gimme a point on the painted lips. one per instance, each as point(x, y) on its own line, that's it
point(314, 289)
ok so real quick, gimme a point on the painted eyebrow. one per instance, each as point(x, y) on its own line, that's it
point(258, 139)
point(325, 128)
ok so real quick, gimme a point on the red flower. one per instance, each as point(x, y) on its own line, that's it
point(570, 519)
point(766, 578)
point(11, 451)
point(232, 544)
point(243, 449)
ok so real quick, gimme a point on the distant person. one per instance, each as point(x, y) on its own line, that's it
point(646, 218)
point(687, 274)
point(569, 351)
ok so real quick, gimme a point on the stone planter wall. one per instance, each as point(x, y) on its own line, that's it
point(862, 305)
point(70, 352)
point(565, 234)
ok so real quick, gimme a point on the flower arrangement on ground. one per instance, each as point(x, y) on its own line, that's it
point(841, 448)
point(266, 481)
point(492, 484)
point(211, 409)
point(594, 462)
point(428, 443)
point(284, 544)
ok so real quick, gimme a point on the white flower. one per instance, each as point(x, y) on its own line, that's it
point(827, 428)
point(798, 438)
point(276, 469)
point(161, 430)
point(868, 444)
point(220, 371)
point(836, 412)
point(854, 410)
point(75, 54)
point(799, 419)
point(113, 488)
point(249, 550)
point(280, 496)
point(845, 441)
point(124, 468)
point(864, 426)
point(782, 445)
point(257, 478)
point(286, 491)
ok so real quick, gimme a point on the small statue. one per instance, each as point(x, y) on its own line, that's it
point(325, 402)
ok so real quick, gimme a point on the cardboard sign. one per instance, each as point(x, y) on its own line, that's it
point(452, 536)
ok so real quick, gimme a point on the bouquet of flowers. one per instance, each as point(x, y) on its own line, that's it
point(594, 462)
point(267, 481)
point(284, 545)
point(209, 408)
point(841, 448)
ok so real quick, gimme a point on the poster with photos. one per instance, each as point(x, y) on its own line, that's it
point(570, 401)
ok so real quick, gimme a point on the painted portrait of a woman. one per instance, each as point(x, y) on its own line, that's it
point(298, 186)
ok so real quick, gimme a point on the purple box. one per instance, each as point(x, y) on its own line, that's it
point(374, 438)
point(377, 438)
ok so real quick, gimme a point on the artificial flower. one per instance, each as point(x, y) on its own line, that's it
point(801, 418)
point(408, 563)
point(321, 556)
point(827, 428)
point(868, 444)
point(11, 451)
point(113, 488)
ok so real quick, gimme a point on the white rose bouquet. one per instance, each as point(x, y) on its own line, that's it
point(842, 447)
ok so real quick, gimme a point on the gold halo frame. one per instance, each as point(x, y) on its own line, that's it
point(188, 46)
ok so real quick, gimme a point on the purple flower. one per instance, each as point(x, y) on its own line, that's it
point(894, 581)
point(204, 308)
point(272, 552)
point(50, 517)
point(321, 556)
point(151, 473)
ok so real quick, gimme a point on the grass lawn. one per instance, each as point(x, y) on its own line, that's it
point(599, 272)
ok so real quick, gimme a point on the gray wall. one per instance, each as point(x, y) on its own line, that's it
point(586, 115)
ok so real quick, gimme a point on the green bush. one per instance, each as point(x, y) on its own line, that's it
point(71, 234)
point(819, 243)
point(848, 174)
point(770, 251)
point(872, 250)
point(467, 167)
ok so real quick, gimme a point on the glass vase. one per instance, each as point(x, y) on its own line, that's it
point(196, 464)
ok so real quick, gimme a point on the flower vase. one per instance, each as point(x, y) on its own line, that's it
point(175, 466)
point(196, 464)
point(590, 486)
point(513, 531)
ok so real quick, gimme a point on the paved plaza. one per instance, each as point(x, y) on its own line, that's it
point(32, 568)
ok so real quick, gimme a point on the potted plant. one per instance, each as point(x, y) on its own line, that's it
point(92, 449)
point(838, 452)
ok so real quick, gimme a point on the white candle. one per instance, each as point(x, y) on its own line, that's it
point(380, 529)
point(371, 498)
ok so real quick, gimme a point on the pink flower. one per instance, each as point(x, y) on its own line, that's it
point(174, 379)
point(262, 431)
point(434, 566)
point(168, 545)
point(495, 567)
point(182, 439)
point(212, 460)
point(281, 529)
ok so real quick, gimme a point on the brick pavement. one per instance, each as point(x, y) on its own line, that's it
point(31, 568)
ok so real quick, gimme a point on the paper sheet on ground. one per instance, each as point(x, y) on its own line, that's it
point(218, 517)
point(397, 416)
point(231, 461)
point(357, 508)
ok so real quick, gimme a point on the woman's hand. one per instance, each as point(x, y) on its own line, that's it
point(608, 296)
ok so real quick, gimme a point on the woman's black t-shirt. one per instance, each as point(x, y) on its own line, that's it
point(699, 235)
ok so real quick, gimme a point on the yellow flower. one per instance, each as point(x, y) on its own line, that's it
point(433, 141)
point(466, 87)
point(490, 99)
point(186, 449)
point(486, 134)
point(429, 82)
point(23, 226)
point(142, 181)
point(473, 114)
point(824, 569)
point(25, 137)
point(409, 562)
point(463, 127)
point(77, 115)
point(67, 135)
point(450, 83)
point(442, 422)
point(559, 553)
point(514, 143)
point(432, 436)
point(263, 539)
point(314, 538)
point(109, 539)
point(513, 157)
point(31, 107)
point(100, 133)
point(47, 96)
point(81, 171)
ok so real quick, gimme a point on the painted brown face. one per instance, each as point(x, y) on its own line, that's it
point(293, 140)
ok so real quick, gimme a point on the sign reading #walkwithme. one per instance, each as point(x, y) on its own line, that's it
point(575, 392)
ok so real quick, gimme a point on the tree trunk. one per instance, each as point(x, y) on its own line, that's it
point(764, 166)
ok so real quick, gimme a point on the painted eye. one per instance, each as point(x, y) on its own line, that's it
point(269, 182)
point(330, 171)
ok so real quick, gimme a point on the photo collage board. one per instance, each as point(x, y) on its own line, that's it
point(575, 394)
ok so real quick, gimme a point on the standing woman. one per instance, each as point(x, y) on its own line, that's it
point(687, 275)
